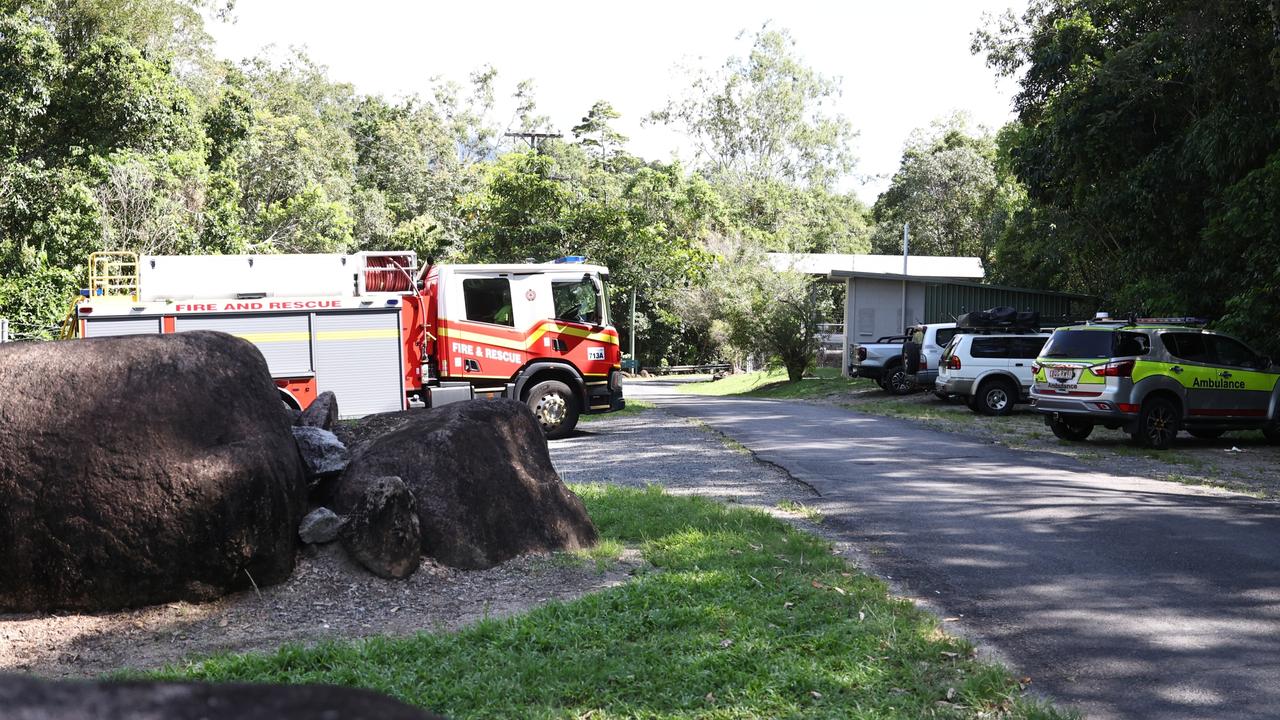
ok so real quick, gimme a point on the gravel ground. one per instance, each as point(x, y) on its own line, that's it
point(327, 598)
point(330, 598)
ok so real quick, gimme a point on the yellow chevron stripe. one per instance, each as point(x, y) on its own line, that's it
point(486, 339)
point(574, 331)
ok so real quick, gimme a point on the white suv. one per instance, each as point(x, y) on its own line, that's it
point(992, 372)
point(922, 351)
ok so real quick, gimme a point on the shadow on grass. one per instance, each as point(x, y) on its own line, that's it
point(743, 616)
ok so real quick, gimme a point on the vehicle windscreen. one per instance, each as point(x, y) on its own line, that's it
point(1095, 344)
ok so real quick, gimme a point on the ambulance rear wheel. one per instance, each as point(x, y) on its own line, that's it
point(555, 407)
point(1158, 424)
point(1272, 433)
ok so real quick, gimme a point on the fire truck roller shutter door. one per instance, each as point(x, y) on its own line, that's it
point(283, 340)
point(358, 358)
point(111, 327)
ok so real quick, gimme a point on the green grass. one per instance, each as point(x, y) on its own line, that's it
point(602, 556)
point(741, 616)
point(634, 407)
point(894, 407)
point(773, 383)
point(813, 515)
point(1214, 483)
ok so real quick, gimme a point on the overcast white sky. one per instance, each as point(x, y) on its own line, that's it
point(901, 64)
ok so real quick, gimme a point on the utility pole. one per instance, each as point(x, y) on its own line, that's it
point(635, 366)
point(906, 241)
point(535, 139)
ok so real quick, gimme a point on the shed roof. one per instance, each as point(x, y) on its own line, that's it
point(920, 267)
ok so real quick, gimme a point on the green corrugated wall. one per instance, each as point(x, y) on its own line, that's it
point(943, 302)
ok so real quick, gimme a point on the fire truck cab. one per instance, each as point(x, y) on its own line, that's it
point(378, 331)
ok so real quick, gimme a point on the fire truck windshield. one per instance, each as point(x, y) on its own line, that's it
point(577, 301)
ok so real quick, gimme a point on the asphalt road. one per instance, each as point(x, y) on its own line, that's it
point(1120, 596)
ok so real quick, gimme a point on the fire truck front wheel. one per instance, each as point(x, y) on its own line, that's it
point(555, 406)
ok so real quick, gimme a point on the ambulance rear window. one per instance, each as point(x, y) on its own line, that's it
point(1095, 344)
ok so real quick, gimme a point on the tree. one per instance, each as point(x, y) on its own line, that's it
point(947, 188)
point(770, 313)
point(1142, 139)
point(31, 66)
point(595, 134)
point(113, 98)
point(763, 116)
point(146, 207)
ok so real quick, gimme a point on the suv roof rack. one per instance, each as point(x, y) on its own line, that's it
point(1133, 320)
point(1181, 321)
point(1005, 330)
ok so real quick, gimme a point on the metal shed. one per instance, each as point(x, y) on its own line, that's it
point(886, 293)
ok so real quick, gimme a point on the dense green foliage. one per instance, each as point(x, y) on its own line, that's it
point(741, 616)
point(120, 130)
point(1142, 169)
point(950, 191)
point(1148, 143)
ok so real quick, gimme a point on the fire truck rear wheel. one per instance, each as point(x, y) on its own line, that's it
point(555, 407)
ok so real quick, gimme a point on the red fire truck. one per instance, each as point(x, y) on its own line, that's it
point(378, 331)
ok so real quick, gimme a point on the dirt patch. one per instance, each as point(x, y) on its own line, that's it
point(1240, 461)
point(327, 598)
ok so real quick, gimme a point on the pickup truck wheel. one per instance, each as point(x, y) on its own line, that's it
point(996, 396)
point(555, 407)
point(897, 382)
point(1157, 424)
point(1073, 430)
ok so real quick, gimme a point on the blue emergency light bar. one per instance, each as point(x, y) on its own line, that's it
point(570, 259)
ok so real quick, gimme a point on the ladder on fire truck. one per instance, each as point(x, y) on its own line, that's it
point(111, 274)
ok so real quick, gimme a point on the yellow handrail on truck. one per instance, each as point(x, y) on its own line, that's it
point(112, 274)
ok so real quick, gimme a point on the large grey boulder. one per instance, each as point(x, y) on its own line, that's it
point(482, 477)
point(29, 698)
point(140, 470)
point(381, 529)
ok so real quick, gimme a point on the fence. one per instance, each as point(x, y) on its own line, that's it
point(831, 345)
point(4, 330)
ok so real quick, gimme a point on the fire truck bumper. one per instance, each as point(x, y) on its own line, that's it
point(606, 397)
